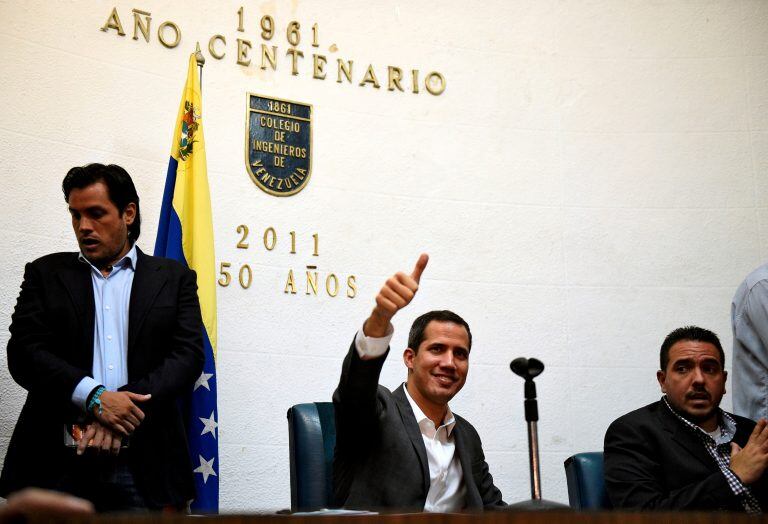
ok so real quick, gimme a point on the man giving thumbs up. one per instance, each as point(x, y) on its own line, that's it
point(406, 450)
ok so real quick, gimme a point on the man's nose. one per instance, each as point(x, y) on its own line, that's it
point(698, 376)
point(448, 360)
point(84, 224)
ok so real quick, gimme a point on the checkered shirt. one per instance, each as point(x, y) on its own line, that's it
point(720, 450)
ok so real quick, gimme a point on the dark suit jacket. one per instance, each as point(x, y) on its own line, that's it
point(380, 459)
point(652, 461)
point(51, 350)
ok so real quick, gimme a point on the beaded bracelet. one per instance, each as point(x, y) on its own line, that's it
point(96, 400)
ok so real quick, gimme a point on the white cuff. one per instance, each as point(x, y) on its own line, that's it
point(372, 347)
point(82, 390)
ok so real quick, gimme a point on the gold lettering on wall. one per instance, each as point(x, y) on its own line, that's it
point(290, 283)
point(212, 47)
point(269, 57)
point(292, 33)
point(240, 20)
point(394, 75)
point(113, 22)
point(435, 83)
point(317, 283)
point(267, 27)
point(226, 278)
point(243, 46)
point(370, 77)
point(245, 276)
point(318, 71)
point(295, 55)
point(311, 281)
point(161, 32)
point(169, 34)
point(345, 68)
point(243, 230)
point(332, 278)
point(141, 25)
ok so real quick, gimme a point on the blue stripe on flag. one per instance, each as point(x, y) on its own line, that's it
point(203, 406)
point(168, 242)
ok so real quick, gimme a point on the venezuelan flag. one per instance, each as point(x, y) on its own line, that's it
point(185, 233)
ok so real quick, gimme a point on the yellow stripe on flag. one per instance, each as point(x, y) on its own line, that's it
point(192, 200)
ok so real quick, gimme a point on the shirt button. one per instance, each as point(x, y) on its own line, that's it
point(110, 367)
point(106, 307)
point(109, 337)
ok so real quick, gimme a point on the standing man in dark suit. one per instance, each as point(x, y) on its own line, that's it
point(684, 452)
point(406, 449)
point(107, 338)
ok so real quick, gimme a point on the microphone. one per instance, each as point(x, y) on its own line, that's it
point(528, 369)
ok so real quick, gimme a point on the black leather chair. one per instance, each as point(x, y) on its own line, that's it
point(311, 439)
point(586, 484)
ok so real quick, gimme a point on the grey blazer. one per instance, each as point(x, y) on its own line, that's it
point(380, 461)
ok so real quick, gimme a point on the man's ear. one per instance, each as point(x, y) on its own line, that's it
point(408, 355)
point(661, 377)
point(725, 379)
point(129, 213)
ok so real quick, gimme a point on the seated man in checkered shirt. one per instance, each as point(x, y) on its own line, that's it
point(684, 452)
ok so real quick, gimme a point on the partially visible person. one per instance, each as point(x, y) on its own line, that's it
point(683, 452)
point(405, 449)
point(749, 320)
point(109, 339)
point(35, 502)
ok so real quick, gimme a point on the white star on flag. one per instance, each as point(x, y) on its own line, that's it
point(203, 381)
point(206, 468)
point(209, 424)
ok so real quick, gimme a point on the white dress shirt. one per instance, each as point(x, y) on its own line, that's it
point(111, 298)
point(447, 492)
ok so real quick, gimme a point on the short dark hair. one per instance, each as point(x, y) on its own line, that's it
point(416, 336)
point(694, 333)
point(120, 188)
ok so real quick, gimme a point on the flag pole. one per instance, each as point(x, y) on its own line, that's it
point(200, 59)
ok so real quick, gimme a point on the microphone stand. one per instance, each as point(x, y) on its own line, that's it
point(529, 368)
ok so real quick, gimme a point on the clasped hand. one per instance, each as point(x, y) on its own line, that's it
point(101, 438)
point(119, 411)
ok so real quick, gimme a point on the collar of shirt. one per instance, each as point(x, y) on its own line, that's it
point(727, 426)
point(128, 261)
point(426, 425)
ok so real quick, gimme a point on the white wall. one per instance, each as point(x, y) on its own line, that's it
point(592, 177)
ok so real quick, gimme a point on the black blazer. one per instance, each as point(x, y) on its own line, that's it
point(652, 461)
point(380, 460)
point(51, 350)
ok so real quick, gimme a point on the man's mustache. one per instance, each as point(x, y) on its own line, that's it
point(698, 394)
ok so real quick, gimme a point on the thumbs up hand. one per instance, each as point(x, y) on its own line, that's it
point(398, 291)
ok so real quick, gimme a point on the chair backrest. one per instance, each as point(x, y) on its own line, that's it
point(311, 439)
point(586, 484)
